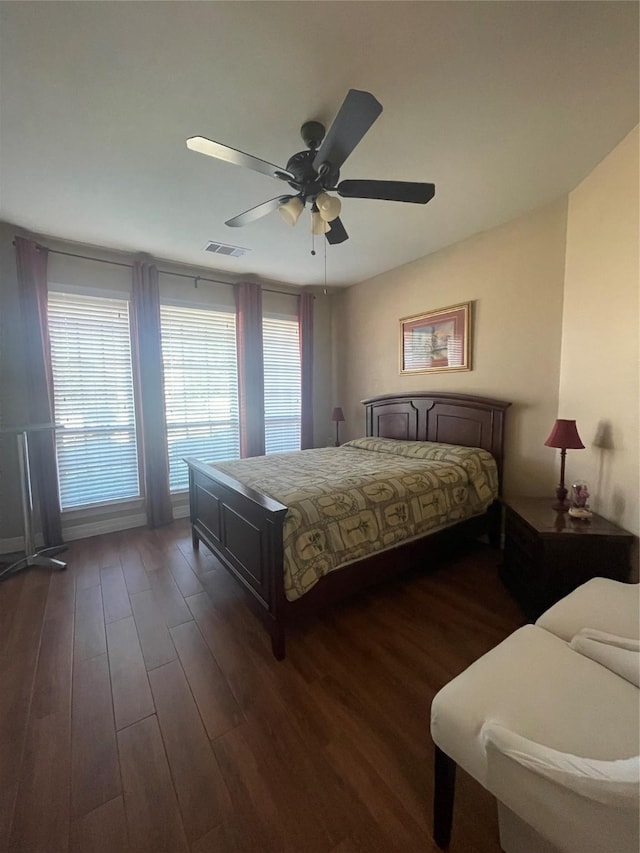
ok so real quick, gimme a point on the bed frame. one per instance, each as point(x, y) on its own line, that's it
point(243, 527)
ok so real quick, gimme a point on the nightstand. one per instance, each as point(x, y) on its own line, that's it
point(547, 554)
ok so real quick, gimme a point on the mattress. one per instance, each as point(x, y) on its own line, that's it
point(345, 503)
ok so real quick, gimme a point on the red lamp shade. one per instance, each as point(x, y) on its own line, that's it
point(337, 415)
point(564, 435)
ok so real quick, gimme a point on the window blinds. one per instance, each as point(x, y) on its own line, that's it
point(200, 386)
point(281, 344)
point(94, 397)
point(93, 393)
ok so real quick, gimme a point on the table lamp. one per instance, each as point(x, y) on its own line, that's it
point(564, 435)
point(338, 416)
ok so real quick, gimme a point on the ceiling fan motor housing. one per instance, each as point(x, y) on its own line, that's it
point(307, 181)
point(312, 133)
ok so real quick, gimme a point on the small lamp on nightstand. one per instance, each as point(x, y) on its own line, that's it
point(338, 416)
point(564, 435)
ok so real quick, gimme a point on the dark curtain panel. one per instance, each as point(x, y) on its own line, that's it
point(305, 318)
point(147, 348)
point(32, 279)
point(250, 368)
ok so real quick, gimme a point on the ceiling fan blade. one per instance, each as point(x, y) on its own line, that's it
point(388, 190)
point(258, 211)
point(358, 112)
point(337, 233)
point(238, 158)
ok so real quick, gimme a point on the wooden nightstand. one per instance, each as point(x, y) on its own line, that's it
point(547, 554)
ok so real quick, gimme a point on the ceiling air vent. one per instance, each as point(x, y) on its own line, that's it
point(225, 249)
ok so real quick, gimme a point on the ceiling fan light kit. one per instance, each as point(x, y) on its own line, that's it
point(290, 211)
point(316, 171)
point(318, 224)
point(329, 206)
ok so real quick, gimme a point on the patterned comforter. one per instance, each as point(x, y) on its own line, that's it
point(370, 494)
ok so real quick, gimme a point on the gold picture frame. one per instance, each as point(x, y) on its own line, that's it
point(436, 341)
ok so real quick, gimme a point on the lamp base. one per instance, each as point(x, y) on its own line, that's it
point(561, 504)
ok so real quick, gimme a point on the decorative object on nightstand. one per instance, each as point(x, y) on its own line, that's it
point(547, 554)
point(338, 416)
point(564, 436)
point(580, 494)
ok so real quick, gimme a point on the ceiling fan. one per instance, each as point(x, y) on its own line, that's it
point(315, 173)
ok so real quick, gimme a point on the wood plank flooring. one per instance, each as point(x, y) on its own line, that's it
point(141, 709)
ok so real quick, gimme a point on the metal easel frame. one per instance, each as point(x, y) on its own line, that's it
point(33, 557)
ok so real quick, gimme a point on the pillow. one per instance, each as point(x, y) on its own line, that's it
point(414, 449)
point(624, 661)
point(614, 782)
point(478, 464)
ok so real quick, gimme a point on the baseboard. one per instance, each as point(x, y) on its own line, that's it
point(181, 511)
point(111, 525)
point(78, 531)
point(15, 545)
point(106, 525)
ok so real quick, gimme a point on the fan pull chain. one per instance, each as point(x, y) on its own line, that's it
point(325, 267)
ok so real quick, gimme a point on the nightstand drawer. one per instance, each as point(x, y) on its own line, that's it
point(517, 560)
point(525, 577)
point(521, 535)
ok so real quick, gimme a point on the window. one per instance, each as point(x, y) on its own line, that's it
point(281, 344)
point(200, 387)
point(93, 393)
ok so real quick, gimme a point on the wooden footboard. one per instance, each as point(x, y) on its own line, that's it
point(243, 528)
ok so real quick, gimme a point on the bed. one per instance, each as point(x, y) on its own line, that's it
point(233, 512)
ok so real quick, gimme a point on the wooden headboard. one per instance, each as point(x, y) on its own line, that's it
point(450, 418)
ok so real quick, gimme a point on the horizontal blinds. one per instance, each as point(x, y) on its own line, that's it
point(93, 392)
point(201, 387)
point(281, 342)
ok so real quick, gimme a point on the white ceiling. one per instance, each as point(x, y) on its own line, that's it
point(503, 105)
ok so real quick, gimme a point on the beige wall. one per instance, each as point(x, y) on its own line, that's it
point(599, 362)
point(109, 278)
point(513, 274)
point(323, 369)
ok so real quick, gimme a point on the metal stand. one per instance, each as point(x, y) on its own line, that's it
point(44, 556)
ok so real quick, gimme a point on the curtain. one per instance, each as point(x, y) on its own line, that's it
point(147, 348)
point(305, 318)
point(31, 263)
point(250, 368)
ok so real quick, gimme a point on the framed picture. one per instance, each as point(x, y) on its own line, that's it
point(436, 341)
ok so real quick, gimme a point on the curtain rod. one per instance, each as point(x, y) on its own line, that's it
point(194, 278)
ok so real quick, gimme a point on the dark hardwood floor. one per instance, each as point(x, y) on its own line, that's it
point(141, 709)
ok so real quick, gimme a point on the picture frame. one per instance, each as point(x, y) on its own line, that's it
point(436, 341)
